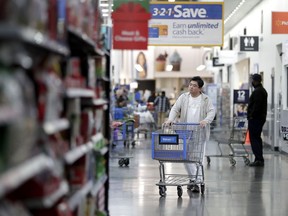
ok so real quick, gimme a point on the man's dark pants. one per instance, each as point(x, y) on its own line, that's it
point(255, 127)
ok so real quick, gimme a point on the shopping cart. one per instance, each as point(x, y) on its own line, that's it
point(123, 133)
point(235, 130)
point(146, 124)
point(122, 113)
point(180, 143)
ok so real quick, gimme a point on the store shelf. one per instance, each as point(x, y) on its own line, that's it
point(82, 42)
point(78, 93)
point(96, 138)
point(99, 102)
point(32, 37)
point(102, 151)
point(104, 78)
point(16, 176)
point(92, 102)
point(77, 197)
point(50, 200)
point(98, 185)
point(76, 153)
point(55, 126)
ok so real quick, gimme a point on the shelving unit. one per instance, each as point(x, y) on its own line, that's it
point(51, 118)
point(15, 176)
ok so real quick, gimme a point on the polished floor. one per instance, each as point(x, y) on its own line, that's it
point(230, 190)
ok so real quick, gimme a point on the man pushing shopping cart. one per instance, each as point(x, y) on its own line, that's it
point(196, 113)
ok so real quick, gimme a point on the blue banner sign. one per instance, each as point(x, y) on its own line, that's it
point(186, 23)
point(186, 11)
point(168, 139)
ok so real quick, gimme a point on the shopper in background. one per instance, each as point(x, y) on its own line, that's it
point(152, 97)
point(121, 98)
point(256, 114)
point(193, 107)
point(162, 105)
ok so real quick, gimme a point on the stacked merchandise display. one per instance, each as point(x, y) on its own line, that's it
point(54, 110)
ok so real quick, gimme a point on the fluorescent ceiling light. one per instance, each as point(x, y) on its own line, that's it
point(134, 85)
point(200, 67)
point(169, 67)
point(234, 11)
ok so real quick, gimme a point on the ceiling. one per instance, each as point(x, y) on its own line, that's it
point(229, 6)
point(244, 9)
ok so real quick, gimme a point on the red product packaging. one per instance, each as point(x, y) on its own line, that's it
point(39, 186)
point(77, 173)
point(74, 77)
point(52, 19)
point(62, 209)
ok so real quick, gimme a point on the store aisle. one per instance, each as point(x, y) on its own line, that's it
point(230, 191)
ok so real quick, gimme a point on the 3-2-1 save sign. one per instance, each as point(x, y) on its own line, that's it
point(241, 96)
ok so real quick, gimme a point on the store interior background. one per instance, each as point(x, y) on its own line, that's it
point(63, 76)
point(251, 18)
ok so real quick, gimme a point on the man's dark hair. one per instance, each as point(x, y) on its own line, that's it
point(199, 81)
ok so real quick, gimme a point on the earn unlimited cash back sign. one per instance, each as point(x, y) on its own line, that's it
point(183, 23)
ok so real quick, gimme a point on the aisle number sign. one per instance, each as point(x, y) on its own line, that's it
point(186, 23)
point(241, 96)
point(284, 124)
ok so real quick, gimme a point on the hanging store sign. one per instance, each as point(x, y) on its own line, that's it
point(279, 22)
point(241, 96)
point(130, 26)
point(284, 124)
point(249, 44)
point(186, 24)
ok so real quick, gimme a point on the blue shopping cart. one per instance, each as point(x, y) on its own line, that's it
point(180, 143)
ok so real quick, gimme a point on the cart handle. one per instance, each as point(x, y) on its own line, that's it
point(130, 120)
point(196, 124)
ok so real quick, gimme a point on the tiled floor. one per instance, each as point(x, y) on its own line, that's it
point(230, 191)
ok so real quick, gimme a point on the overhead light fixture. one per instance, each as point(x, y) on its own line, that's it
point(201, 67)
point(169, 67)
point(234, 11)
point(139, 68)
point(134, 85)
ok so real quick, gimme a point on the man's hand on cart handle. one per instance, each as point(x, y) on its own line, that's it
point(167, 123)
point(203, 123)
point(116, 124)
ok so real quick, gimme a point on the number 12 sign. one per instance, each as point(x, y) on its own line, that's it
point(241, 96)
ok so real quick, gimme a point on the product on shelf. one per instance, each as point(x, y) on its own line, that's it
point(100, 166)
point(43, 184)
point(77, 174)
point(73, 113)
point(61, 209)
point(18, 134)
point(86, 127)
point(9, 208)
point(74, 77)
point(43, 118)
